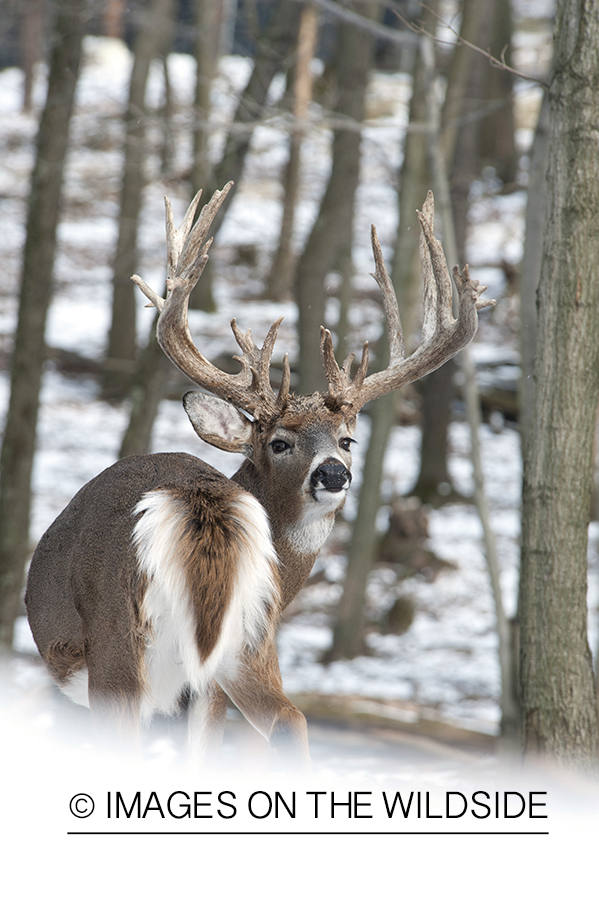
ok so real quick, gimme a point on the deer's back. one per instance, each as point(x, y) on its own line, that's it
point(143, 523)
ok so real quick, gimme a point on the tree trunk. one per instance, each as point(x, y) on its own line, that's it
point(333, 229)
point(414, 182)
point(209, 15)
point(281, 273)
point(145, 397)
point(273, 53)
point(434, 484)
point(113, 19)
point(33, 14)
point(531, 269)
point(497, 145)
point(348, 634)
point(559, 704)
point(154, 31)
point(18, 448)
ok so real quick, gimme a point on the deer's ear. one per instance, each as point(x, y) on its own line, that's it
point(219, 423)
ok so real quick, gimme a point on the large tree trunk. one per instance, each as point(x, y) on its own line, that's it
point(18, 448)
point(154, 31)
point(556, 669)
point(333, 230)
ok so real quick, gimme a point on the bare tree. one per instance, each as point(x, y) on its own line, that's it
point(558, 694)
point(18, 448)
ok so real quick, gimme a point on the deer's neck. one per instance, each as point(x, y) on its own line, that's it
point(296, 538)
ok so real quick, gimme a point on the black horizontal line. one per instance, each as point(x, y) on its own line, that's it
point(297, 833)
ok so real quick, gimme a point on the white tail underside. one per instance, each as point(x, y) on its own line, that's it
point(172, 659)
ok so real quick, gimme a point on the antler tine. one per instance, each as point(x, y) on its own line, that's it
point(176, 237)
point(442, 335)
point(257, 361)
point(337, 378)
point(381, 276)
point(285, 383)
point(435, 276)
point(341, 385)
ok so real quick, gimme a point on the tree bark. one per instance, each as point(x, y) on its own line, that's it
point(154, 31)
point(558, 697)
point(18, 448)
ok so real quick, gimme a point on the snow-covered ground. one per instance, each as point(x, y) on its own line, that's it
point(447, 661)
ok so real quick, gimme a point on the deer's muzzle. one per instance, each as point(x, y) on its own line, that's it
point(331, 475)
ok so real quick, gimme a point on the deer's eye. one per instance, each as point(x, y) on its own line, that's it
point(279, 446)
point(345, 443)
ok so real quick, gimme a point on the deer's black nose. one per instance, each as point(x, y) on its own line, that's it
point(333, 476)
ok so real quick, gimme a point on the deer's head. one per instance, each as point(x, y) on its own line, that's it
point(298, 449)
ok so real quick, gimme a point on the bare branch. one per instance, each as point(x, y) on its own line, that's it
point(418, 28)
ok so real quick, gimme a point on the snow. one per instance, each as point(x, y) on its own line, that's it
point(447, 661)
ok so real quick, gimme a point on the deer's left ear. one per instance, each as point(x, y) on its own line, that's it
point(219, 423)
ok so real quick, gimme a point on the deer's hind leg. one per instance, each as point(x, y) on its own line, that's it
point(116, 667)
point(255, 687)
point(206, 724)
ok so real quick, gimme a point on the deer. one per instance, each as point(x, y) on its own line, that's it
point(163, 576)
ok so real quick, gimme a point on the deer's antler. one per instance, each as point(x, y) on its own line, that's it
point(187, 255)
point(442, 335)
point(250, 389)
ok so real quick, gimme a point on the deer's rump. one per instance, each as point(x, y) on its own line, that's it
point(159, 573)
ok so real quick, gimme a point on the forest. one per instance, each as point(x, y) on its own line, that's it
point(460, 586)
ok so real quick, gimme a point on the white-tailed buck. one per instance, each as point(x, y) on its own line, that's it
point(162, 574)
